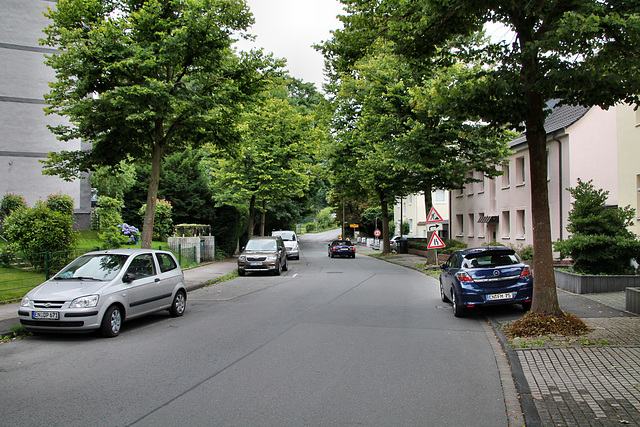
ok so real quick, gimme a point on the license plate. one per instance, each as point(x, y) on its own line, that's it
point(51, 315)
point(254, 264)
point(496, 297)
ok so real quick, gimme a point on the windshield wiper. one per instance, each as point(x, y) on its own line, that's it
point(78, 278)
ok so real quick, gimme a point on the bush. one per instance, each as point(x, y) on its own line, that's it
point(109, 212)
point(600, 241)
point(39, 229)
point(7, 255)
point(310, 227)
point(525, 252)
point(162, 222)
point(119, 235)
point(451, 246)
point(11, 202)
point(59, 202)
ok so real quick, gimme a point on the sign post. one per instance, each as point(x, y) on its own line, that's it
point(434, 224)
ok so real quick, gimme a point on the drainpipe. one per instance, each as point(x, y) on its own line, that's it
point(560, 206)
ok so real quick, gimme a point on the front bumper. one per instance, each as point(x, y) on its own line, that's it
point(77, 320)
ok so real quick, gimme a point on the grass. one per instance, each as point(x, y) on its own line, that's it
point(17, 332)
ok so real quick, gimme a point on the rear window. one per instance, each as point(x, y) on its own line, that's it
point(490, 260)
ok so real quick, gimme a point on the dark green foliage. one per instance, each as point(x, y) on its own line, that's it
point(601, 242)
point(368, 221)
point(59, 202)
point(39, 229)
point(452, 245)
point(11, 202)
point(109, 212)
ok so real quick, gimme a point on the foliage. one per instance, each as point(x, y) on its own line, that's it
point(536, 324)
point(114, 181)
point(370, 217)
point(62, 203)
point(141, 79)
point(325, 220)
point(11, 202)
point(452, 245)
point(406, 228)
point(109, 212)
point(39, 229)
point(7, 255)
point(310, 227)
point(601, 242)
point(162, 223)
point(119, 235)
point(525, 252)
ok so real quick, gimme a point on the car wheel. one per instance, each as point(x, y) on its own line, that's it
point(276, 272)
point(331, 254)
point(179, 304)
point(458, 310)
point(111, 322)
point(241, 272)
point(526, 306)
point(443, 296)
point(285, 267)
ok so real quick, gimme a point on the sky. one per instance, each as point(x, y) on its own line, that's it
point(288, 29)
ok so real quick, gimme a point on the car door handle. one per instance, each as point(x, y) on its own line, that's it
point(157, 280)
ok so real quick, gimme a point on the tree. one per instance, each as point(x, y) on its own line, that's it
point(582, 52)
point(141, 79)
point(600, 242)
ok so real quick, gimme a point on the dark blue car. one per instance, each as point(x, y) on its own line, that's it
point(342, 248)
point(485, 276)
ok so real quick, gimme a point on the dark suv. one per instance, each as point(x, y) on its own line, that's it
point(263, 253)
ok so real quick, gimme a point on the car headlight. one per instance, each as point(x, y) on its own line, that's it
point(242, 258)
point(84, 302)
point(25, 302)
point(272, 257)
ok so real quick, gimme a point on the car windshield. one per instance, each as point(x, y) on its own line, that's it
point(262, 245)
point(489, 260)
point(93, 267)
point(342, 243)
point(286, 235)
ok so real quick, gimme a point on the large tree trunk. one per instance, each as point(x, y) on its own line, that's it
point(545, 297)
point(152, 193)
point(386, 245)
point(263, 217)
point(252, 212)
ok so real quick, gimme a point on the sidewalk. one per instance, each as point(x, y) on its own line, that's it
point(593, 380)
point(194, 278)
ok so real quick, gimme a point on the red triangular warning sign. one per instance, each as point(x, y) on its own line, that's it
point(435, 242)
point(434, 216)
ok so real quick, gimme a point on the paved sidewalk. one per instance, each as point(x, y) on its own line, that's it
point(592, 380)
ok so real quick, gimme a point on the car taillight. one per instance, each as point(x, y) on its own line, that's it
point(352, 249)
point(526, 271)
point(464, 277)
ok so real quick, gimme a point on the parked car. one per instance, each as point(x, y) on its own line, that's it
point(290, 240)
point(101, 290)
point(342, 248)
point(263, 254)
point(485, 276)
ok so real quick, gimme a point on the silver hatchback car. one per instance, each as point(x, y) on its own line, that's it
point(100, 290)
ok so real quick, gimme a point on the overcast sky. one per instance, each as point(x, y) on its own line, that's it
point(289, 28)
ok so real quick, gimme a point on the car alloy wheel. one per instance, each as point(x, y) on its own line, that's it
point(458, 310)
point(443, 297)
point(179, 304)
point(111, 322)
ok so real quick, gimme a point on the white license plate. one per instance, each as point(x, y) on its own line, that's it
point(497, 297)
point(255, 264)
point(50, 315)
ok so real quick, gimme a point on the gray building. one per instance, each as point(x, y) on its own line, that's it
point(24, 136)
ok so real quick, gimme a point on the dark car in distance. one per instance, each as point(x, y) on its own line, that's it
point(488, 275)
point(344, 248)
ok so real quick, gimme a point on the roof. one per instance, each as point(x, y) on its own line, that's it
point(561, 117)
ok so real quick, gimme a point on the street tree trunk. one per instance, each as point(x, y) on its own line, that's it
point(252, 212)
point(386, 245)
point(152, 192)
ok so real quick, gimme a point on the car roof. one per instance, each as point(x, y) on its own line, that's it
point(485, 250)
point(127, 251)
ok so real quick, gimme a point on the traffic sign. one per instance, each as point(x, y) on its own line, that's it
point(353, 225)
point(436, 226)
point(377, 233)
point(434, 216)
point(435, 242)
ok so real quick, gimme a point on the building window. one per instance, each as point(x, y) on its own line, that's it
point(482, 226)
point(506, 179)
point(460, 225)
point(471, 225)
point(470, 183)
point(520, 224)
point(439, 196)
point(549, 167)
point(410, 197)
point(505, 222)
point(410, 225)
point(457, 192)
point(520, 171)
point(481, 183)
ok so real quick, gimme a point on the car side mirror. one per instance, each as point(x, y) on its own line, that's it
point(442, 266)
point(128, 278)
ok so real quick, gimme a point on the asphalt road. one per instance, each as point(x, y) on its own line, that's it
point(333, 341)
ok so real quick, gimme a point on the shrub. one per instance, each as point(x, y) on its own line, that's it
point(59, 202)
point(162, 222)
point(526, 252)
point(452, 245)
point(109, 212)
point(39, 229)
point(310, 227)
point(119, 235)
point(601, 242)
point(11, 202)
point(7, 254)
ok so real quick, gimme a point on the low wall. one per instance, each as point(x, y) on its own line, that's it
point(581, 284)
point(633, 300)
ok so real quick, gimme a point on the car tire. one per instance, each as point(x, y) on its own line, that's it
point(111, 322)
point(285, 267)
point(458, 310)
point(179, 304)
point(241, 272)
point(443, 296)
point(526, 306)
point(331, 254)
point(276, 272)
